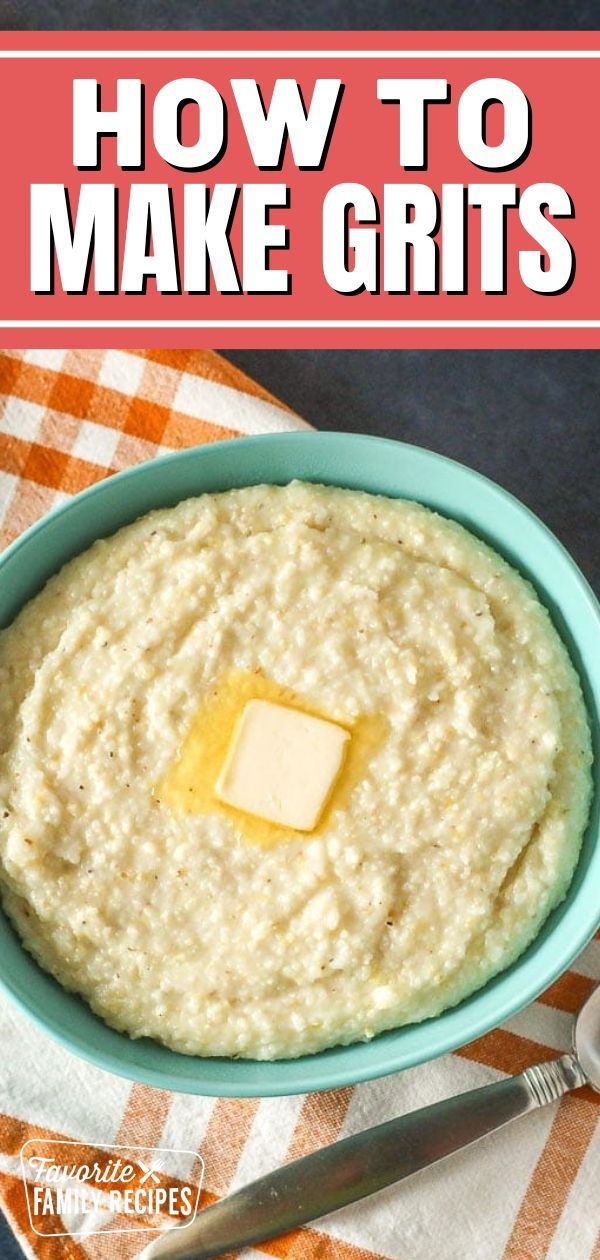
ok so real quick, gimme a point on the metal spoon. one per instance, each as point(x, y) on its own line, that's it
point(360, 1165)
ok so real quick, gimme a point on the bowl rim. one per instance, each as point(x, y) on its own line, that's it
point(304, 1074)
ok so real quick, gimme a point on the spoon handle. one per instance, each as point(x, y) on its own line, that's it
point(359, 1166)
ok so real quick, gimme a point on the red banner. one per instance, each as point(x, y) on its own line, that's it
point(293, 189)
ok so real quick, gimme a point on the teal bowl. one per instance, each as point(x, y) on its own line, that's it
point(382, 467)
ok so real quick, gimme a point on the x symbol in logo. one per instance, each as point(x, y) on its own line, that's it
point(148, 1173)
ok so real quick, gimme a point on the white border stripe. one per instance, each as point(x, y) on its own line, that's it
point(304, 54)
point(300, 323)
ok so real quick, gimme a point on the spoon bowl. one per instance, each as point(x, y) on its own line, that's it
point(586, 1039)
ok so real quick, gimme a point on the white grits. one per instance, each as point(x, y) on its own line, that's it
point(460, 837)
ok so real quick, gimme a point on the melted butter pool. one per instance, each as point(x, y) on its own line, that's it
point(188, 787)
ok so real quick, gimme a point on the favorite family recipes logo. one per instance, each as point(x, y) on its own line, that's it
point(72, 1188)
point(227, 184)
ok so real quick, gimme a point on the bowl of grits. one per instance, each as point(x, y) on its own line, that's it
point(297, 737)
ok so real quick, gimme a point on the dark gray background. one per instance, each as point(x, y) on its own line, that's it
point(300, 15)
point(528, 419)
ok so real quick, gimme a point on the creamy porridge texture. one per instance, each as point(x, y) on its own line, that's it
point(431, 873)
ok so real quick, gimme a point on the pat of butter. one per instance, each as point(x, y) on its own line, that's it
point(282, 764)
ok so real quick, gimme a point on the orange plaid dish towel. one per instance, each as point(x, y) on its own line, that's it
point(67, 419)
